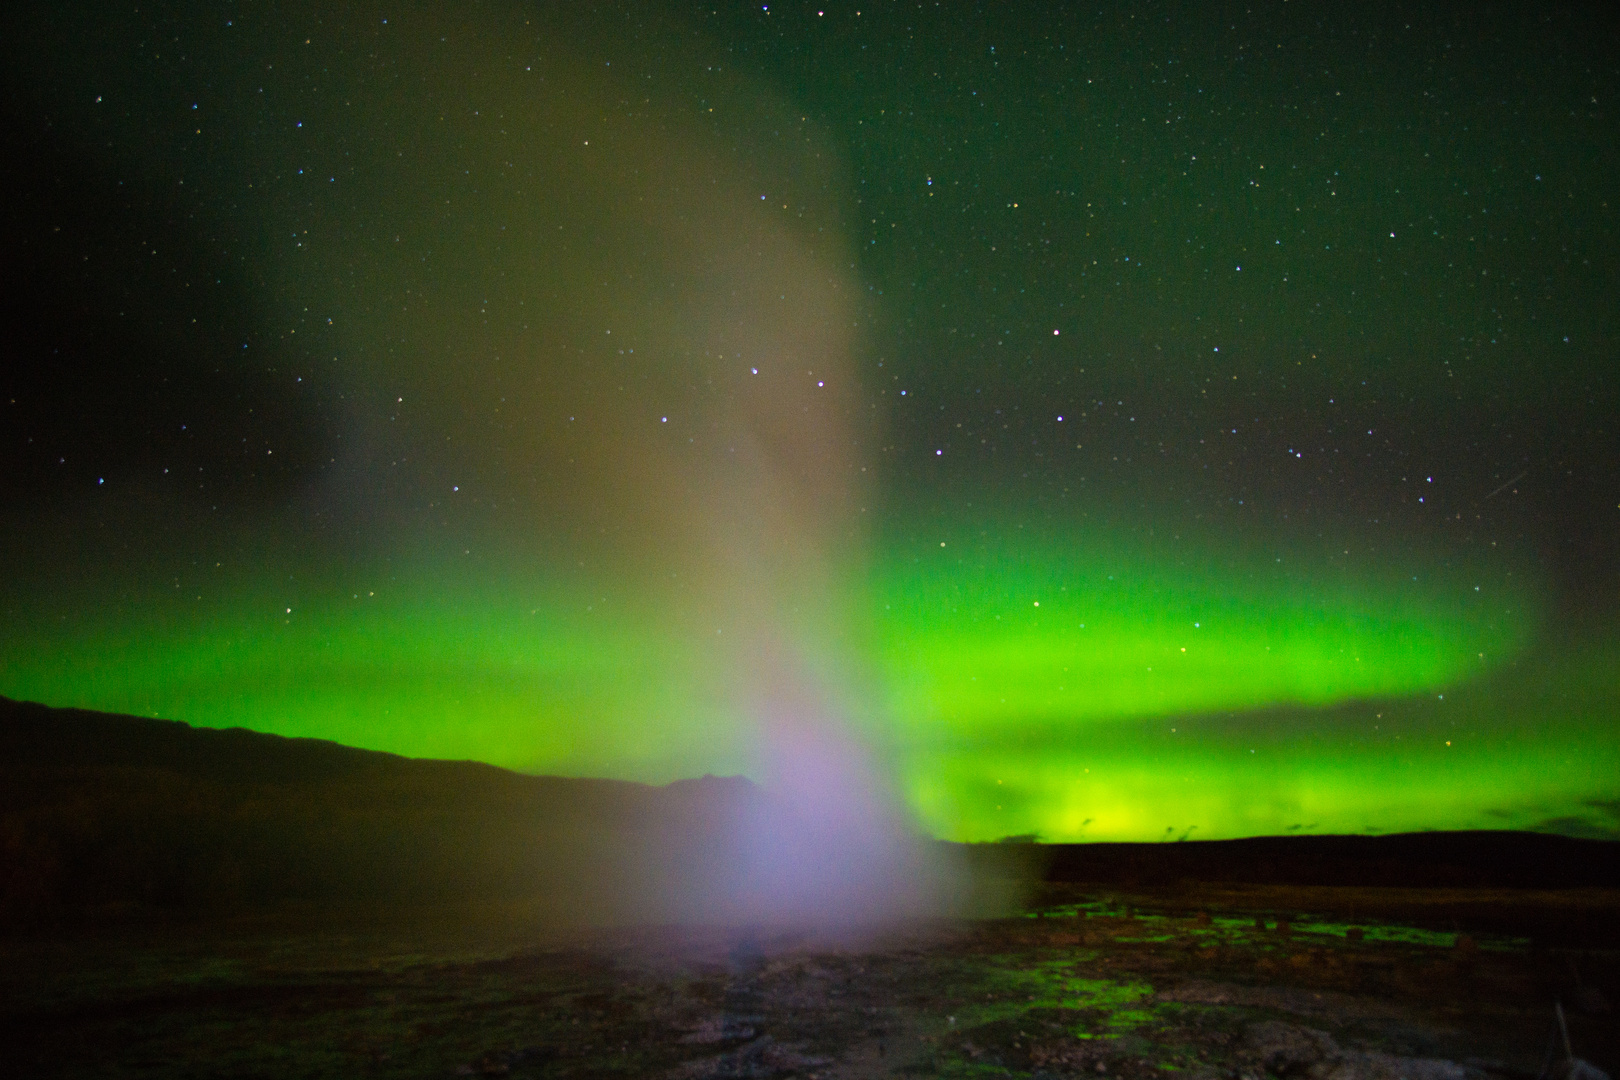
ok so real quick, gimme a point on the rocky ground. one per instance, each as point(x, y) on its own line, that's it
point(1104, 986)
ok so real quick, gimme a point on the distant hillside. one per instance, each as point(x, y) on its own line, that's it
point(1480, 859)
point(107, 818)
point(104, 815)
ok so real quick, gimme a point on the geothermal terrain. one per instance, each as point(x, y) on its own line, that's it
point(184, 902)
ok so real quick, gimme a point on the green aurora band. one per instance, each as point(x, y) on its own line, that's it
point(1091, 689)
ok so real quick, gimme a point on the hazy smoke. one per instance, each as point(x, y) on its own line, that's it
point(635, 327)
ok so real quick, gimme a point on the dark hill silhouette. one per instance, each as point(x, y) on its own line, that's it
point(108, 818)
point(1462, 859)
point(104, 815)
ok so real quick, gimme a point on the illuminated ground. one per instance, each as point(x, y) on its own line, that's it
point(1114, 985)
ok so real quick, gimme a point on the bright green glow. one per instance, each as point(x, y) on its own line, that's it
point(1214, 780)
point(1108, 690)
point(1532, 746)
point(1308, 697)
point(979, 635)
point(527, 675)
point(1015, 987)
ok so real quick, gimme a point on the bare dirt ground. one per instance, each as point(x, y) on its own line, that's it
point(1227, 984)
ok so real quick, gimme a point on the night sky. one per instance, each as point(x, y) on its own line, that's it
point(1130, 422)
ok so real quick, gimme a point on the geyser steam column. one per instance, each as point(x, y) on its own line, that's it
point(613, 291)
point(770, 524)
point(773, 517)
point(774, 514)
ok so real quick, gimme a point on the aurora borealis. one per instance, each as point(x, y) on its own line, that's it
point(1130, 423)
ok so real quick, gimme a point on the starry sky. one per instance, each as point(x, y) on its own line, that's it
point(1125, 422)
